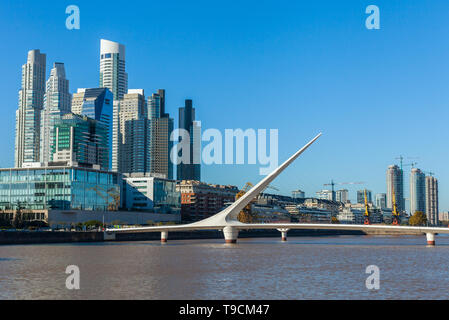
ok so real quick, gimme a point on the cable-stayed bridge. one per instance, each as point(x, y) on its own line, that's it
point(226, 220)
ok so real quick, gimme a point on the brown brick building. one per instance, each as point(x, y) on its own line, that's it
point(200, 200)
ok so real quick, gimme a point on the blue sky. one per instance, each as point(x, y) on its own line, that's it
point(299, 66)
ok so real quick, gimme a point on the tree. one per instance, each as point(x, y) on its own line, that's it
point(17, 221)
point(418, 219)
point(334, 220)
point(93, 224)
point(5, 222)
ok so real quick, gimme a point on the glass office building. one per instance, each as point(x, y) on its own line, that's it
point(97, 104)
point(145, 192)
point(63, 188)
point(81, 139)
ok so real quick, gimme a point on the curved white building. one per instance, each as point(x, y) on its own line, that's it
point(112, 68)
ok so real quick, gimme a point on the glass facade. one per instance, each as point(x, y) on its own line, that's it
point(85, 138)
point(61, 188)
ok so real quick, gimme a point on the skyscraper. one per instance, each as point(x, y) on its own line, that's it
point(192, 169)
point(161, 127)
point(57, 102)
point(381, 200)
point(417, 191)
point(361, 196)
point(31, 101)
point(96, 103)
point(134, 133)
point(395, 182)
point(341, 195)
point(112, 68)
point(432, 200)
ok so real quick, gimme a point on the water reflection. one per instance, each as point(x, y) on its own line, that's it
point(265, 268)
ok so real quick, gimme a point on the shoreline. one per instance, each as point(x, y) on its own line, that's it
point(47, 237)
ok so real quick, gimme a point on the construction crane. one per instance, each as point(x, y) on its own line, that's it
point(412, 164)
point(367, 217)
point(269, 187)
point(430, 173)
point(339, 183)
point(401, 159)
point(395, 213)
point(245, 215)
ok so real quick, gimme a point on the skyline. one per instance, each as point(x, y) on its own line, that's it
point(310, 172)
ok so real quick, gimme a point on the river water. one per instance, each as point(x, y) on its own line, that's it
point(262, 268)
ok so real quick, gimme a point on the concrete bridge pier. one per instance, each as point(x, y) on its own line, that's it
point(230, 234)
point(430, 238)
point(164, 236)
point(283, 234)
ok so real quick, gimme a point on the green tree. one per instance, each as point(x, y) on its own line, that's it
point(418, 219)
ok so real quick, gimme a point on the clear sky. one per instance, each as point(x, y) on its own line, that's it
point(298, 66)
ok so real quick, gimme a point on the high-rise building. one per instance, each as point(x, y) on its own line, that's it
point(341, 195)
point(31, 101)
point(161, 127)
point(192, 169)
point(417, 191)
point(81, 140)
point(361, 196)
point(298, 194)
point(97, 104)
point(324, 194)
point(395, 183)
point(134, 133)
point(112, 68)
point(381, 200)
point(432, 200)
point(57, 102)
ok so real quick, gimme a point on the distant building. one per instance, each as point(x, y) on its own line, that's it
point(312, 215)
point(351, 216)
point(28, 115)
point(146, 193)
point(361, 196)
point(381, 200)
point(332, 206)
point(432, 200)
point(324, 194)
point(443, 216)
point(134, 133)
point(355, 213)
point(417, 191)
point(57, 102)
point(395, 182)
point(200, 200)
point(341, 195)
point(192, 169)
point(298, 194)
point(161, 127)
